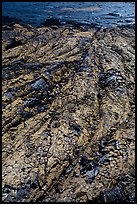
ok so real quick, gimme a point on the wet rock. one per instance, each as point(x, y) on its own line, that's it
point(14, 43)
point(87, 166)
point(31, 102)
point(105, 79)
point(35, 182)
point(114, 195)
point(54, 27)
point(120, 193)
point(6, 76)
point(48, 75)
point(83, 161)
point(21, 194)
point(115, 143)
point(39, 84)
point(92, 173)
point(69, 169)
point(8, 95)
point(6, 189)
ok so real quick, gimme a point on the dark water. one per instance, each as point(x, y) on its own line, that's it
point(100, 14)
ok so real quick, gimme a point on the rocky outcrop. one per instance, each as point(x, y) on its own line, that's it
point(68, 101)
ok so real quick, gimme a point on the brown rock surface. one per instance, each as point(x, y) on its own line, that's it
point(68, 114)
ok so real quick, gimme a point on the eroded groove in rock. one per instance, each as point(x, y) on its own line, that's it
point(68, 114)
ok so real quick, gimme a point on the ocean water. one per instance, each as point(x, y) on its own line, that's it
point(101, 14)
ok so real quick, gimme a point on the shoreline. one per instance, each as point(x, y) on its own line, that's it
point(6, 20)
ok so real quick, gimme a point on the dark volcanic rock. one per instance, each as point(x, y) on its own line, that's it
point(39, 84)
point(68, 122)
point(14, 43)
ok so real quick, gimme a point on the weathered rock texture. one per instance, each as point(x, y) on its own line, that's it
point(68, 114)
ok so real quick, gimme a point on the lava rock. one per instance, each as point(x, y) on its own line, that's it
point(39, 84)
point(14, 43)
